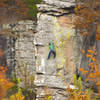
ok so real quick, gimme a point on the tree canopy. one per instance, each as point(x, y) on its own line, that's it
point(26, 8)
point(88, 16)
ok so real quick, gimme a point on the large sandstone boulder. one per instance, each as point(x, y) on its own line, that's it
point(55, 23)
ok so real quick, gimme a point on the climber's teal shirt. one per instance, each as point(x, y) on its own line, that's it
point(51, 46)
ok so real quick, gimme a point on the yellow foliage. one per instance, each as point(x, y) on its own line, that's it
point(91, 51)
point(50, 97)
point(17, 96)
point(67, 35)
point(79, 6)
point(74, 95)
point(83, 51)
point(78, 94)
point(4, 99)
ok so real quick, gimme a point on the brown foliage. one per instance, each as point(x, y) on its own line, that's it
point(88, 13)
point(1, 53)
point(12, 8)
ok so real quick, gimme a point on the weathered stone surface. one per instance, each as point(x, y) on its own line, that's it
point(20, 48)
point(57, 94)
point(49, 80)
point(55, 23)
point(60, 3)
point(53, 10)
point(57, 7)
point(25, 54)
point(45, 7)
point(24, 45)
point(24, 26)
point(54, 73)
point(44, 28)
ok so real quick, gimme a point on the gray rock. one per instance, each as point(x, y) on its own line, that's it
point(60, 3)
point(44, 28)
point(52, 10)
point(49, 80)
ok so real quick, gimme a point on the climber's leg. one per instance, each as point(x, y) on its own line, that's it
point(54, 54)
point(49, 54)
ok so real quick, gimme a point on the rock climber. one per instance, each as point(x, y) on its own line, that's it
point(52, 50)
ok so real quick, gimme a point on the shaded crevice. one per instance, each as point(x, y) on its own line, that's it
point(69, 9)
point(66, 10)
point(64, 14)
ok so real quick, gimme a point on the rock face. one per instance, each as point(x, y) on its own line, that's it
point(20, 48)
point(24, 48)
point(55, 23)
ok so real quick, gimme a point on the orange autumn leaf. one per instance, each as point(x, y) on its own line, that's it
point(91, 51)
point(97, 74)
point(99, 92)
point(98, 83)
point(93, 59)
point(91, 75)
point(96, 67)
point(87, 79)
point(98, 36)
point(83, 71)
point(5, 84)
point(88, 55)
point(91, 56)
